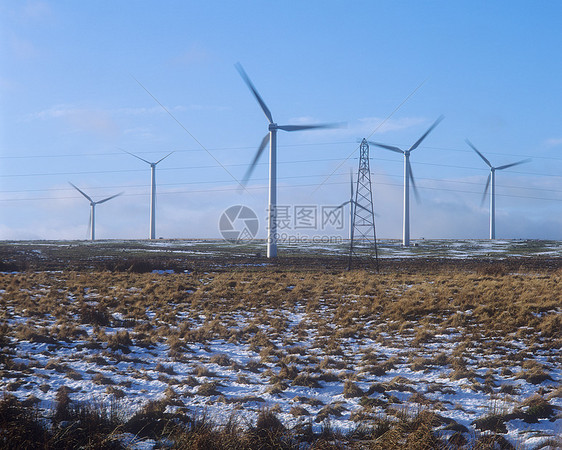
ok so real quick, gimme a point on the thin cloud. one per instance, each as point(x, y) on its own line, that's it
point(53, 112)
point(23, 48)
point(140, 132)
point(142, 111)
point(209, 108)
point(37, 10)
point(95, 121)
point(368, 124)
point(553, 142)
point(364, 127)
point(65, 110)
point(195, 54)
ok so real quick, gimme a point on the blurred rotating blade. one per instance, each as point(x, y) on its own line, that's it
point(361, 206)
point(138, 157)
point(307, 127)
point(414, 187)
point(252, 88)
point(513, 164)
point(109, 198)
point(479, 154)
point(261, 148)
point(82, 192)
point(388, 147)
point(162, 159)
point(486, 188)
point(419, 141)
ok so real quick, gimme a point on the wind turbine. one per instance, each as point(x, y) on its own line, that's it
point(408, 176)
point(152, 190)
point(92, 222)
point(271, 137)
point(492, 179)
point(352, 204)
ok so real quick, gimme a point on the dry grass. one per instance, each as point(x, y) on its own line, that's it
point(460, 322)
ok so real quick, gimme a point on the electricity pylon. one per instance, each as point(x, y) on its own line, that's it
point(363, 217)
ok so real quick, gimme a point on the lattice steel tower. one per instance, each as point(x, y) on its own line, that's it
point(363, 217)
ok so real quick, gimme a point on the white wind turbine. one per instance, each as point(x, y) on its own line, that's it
point(271, 136)
point(352, 204)
point(408, 176)
point(492, 180)
point(152, 190)
point(92, 221)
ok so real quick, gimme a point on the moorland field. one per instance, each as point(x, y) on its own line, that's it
point(122, 344)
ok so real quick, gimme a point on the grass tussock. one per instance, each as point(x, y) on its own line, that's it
point(94, 426)
point(302, 329)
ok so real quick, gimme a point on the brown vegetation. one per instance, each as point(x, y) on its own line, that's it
point(481, 325)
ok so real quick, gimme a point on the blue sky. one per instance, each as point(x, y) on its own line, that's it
point(69, 104)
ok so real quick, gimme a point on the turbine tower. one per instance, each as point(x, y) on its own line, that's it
point(351, 203)
point(408, 176)
point(92, 221)
point(271, 137)
point(152, 191)
point(492, 180)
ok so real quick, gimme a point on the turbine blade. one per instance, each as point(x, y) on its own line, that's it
point(307, 127)
point(486, 188)
point(138, 157)
point(387, 147)
point(82, 192)
point(418, 142)
point(252, 88)
point(480, 154)
point(262, 146)
point(108, 198)
point(513, 164)
point(414, 187)
point(162, 159)
point(361, 206)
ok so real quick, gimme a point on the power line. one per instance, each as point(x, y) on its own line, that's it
point(250, 147)
point(378, 174)
point(301, 161)
point(97, 172)
point(233, 189)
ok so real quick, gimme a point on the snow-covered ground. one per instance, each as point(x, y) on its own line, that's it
point(293, 367)
point(387, 248)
